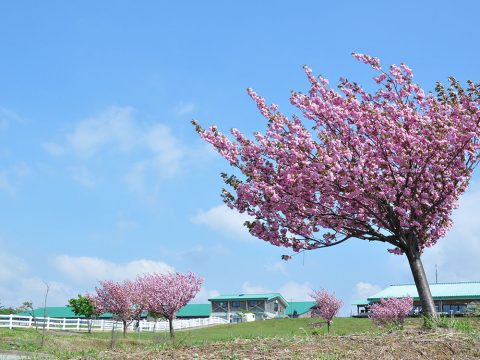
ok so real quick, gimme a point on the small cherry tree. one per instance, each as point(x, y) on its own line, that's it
point(122, 299)
point(387, 166)
point(391, 311)
point(165, 294)
point(327, 306)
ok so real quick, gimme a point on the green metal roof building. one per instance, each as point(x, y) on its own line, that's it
point(441, 291)
point(263, 306)
point(449, 298)
point(299, 309)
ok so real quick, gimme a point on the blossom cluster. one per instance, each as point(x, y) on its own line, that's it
point(386, 166)
point(391, 311)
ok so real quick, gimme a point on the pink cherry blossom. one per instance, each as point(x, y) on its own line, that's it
point(391, 311)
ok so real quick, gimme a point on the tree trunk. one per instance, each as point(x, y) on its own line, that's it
point(124, 328)
point(421, 282)
point(112, 343)
point(170, 323)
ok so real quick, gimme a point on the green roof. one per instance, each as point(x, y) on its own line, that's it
point(361, 302)
point(195, 310)
point(440, 291)
point(57, 312)
point(301, 307)
point(235, 297)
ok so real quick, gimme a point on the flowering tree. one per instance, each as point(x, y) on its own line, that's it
point(387, 166)
point(122, 299)
point(327, 306)
point(391, 311)
point(165, 294)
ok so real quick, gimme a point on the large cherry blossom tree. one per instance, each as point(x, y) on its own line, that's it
point(386, 166)
point(165, 294)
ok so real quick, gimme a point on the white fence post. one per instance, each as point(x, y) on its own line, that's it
point(102, 325)
point(78, 324)
point(64, 324)
point(30, 318)
point(10, 323)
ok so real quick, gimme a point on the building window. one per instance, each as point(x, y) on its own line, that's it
point(252, 303)
point(235, 304)
point(275, 306)
point(219, 306)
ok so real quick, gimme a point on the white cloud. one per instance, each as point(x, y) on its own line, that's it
point(5, 183)
point(225, 220)
point(11, 266)
point(84, 269)
point(83, 176)
point(205, 294)
point(364, 290)
point(249, 288)
point(18, 285)
point(7, 116)
point(12, 176)
point(184, 108)
point(53, 149)
point(113, 127)
point(150, 152)
point(291, 291)
point(279, 266)
point(296, 291)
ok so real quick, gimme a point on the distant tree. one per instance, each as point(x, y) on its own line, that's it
point(387, 166)
point(165, 294)
point(121, 299)
point(29, 305)
point(327, 306)
point(391, 311)
point(84, 306)
point(4, 310)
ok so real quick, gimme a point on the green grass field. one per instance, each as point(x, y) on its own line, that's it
point(66, 345)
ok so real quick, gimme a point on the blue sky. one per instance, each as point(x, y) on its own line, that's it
point(101, 172)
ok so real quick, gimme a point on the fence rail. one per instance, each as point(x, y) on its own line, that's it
point(78, 324)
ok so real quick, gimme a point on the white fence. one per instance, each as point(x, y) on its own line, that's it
point(15, 321)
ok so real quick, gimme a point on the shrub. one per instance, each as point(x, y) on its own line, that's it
point(391, 312)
